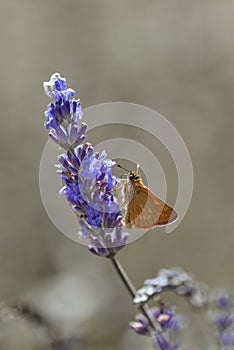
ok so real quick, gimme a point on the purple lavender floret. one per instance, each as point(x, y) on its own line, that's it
point(86, 175)
point(223, 300)
point(141, 325)
point(224, 320)
point(164, 344)
point(226, 337)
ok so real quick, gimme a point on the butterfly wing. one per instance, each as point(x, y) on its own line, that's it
point(145, 210)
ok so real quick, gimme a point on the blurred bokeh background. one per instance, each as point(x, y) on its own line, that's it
point(175, 57)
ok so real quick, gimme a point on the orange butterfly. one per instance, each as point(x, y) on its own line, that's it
point(145, 210)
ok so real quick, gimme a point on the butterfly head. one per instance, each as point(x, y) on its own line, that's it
point(133, 176)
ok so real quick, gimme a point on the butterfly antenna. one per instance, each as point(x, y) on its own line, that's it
point(120, 166)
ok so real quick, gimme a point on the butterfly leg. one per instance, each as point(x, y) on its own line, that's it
point(128, 223)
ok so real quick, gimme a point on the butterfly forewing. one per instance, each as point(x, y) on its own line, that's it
point(146, 210)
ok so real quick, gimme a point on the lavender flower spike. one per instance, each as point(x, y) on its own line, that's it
point(86, 175)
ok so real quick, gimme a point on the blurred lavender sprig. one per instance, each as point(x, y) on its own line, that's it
point(224, 320)
point(87, 177)
point(167, 323)
point(173, 279)
point(165, 334)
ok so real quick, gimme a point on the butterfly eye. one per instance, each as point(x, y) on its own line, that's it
point(131, 176)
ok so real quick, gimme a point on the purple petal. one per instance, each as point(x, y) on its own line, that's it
point(226, 337)
point(223, 300)
point(139, 328)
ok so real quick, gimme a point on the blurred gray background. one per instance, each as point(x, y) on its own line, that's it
point(176, 57)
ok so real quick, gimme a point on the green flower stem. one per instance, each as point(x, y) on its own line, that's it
point(131, 289)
